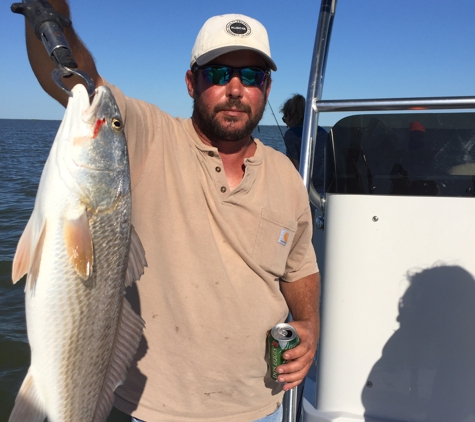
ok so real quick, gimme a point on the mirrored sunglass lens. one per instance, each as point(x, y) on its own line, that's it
point(222, 75)
point(253, 77)
point(216, 75)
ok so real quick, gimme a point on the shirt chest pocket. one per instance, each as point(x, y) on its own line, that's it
point(273, 242)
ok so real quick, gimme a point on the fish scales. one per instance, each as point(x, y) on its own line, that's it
point(85, 378)
point(76, 250)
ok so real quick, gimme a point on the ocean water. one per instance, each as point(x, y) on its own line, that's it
point(24, 148)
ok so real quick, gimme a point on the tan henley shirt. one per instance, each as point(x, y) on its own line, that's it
point(210, 292)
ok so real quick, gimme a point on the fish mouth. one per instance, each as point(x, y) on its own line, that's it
point(93, 112)
point(101, 105)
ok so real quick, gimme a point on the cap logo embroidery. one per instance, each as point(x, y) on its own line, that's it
point(284, 237)
point(238, 28)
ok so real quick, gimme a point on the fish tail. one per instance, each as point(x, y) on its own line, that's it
point(29, 405)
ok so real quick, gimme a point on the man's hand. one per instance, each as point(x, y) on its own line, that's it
point(299, 359)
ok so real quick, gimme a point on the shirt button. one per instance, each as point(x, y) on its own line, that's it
point(223, 189)
point(218, 169)
point(211, 153)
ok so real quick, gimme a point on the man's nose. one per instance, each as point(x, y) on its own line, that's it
point(235, 87)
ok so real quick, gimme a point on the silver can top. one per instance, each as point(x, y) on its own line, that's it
point(283, 332)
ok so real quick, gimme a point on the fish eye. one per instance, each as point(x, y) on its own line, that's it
point(116, 124)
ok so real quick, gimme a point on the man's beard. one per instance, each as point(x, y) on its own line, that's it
point(214, 130)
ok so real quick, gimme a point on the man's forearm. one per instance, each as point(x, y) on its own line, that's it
point(303, 298)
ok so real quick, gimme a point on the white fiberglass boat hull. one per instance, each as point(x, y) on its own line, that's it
point(398, 336)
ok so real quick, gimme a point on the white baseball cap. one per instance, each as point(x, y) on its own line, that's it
point(225, 33)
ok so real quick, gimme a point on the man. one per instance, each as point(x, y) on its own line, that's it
point(293, 112)
point(225, 223)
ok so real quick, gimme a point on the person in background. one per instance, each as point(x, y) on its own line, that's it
point(226, 226)
point(293, 112)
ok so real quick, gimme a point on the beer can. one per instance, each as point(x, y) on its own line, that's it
point(281, 338)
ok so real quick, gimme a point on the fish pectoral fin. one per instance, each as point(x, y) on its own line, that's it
point(129, 334)
point(36, 261)
point(137, 261)
point(78, 241)
point(24, 262)
point(21, 260)
point(29, 405)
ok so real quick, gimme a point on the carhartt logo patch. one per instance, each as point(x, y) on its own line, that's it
point(284, 237)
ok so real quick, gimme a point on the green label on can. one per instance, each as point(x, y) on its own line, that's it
point(281, 338)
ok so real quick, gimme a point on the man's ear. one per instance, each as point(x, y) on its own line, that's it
point(190, 83)
point(269, 84)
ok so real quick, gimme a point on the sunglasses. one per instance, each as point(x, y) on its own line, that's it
point(221, 75)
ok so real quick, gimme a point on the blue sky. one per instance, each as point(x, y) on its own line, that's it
point(392, 48)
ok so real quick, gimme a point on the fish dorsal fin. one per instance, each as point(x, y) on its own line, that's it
point(21, 260)
point(34, 270)
point(29, 406)
point(78, 241)
point(137, 261)
point(127, 341)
